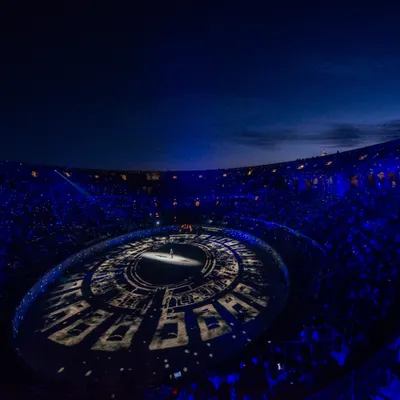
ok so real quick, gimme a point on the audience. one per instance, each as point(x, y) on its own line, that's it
point(353, 296)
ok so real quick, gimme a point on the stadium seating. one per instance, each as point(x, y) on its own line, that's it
point(349, 203)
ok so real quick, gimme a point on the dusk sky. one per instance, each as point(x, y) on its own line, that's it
point(196, 88)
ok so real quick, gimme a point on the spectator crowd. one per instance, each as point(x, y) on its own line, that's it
point(348, 302)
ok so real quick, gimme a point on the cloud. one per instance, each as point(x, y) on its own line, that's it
point(350, 135)
point(263, 139)
point(342, 136)
point(356, 67)
point(339, 136)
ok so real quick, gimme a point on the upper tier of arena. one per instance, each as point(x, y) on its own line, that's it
point(325, 163)
point(380, 159)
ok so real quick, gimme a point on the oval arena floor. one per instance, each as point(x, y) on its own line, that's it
point(134, 308)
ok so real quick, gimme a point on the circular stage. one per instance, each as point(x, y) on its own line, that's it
point(155, 304)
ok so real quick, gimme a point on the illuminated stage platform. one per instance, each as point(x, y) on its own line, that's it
point(127, 306)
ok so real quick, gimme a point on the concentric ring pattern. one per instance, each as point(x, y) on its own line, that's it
point(156, 305)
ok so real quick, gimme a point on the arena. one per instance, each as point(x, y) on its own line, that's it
point(276, 280)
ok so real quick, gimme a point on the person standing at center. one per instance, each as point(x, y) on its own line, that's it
point(172, 253)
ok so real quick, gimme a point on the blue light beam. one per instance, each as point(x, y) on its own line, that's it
point(73, 184)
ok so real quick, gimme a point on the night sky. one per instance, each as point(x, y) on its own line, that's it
point(196, 88)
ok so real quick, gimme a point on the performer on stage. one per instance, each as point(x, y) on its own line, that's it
point(172, 253)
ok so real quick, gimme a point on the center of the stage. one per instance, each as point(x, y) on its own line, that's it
point(171, 264)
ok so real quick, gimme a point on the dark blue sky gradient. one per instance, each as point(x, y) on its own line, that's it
point(190, 88)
